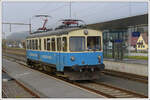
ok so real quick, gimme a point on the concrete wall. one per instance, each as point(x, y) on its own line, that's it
point(138, 54)
point(138, 69)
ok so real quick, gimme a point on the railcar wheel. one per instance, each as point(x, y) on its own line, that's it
point(44, 68)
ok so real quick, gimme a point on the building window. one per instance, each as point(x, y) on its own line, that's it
point(64, 43)
point(143, 46)
point(53, 44)
point(58, 44)
point(138, 46)
point(48, 43)
point(141, 41)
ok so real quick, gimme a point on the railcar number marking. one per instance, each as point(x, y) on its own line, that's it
point(46, 57)
point(32, 54)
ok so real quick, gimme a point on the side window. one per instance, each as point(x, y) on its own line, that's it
point(27, 44)
point(58, 44)
point(39, 44)
point(48, 43)
point(44, 44)
point(53, 44)
point(64, 43)
point(36, 44)
point(32, 44)
point(28, 41)
point(100, 43)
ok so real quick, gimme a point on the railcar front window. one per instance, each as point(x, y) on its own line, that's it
point(77, 44)
point(94, 43)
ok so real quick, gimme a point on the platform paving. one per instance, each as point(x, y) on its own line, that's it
point(45, 85)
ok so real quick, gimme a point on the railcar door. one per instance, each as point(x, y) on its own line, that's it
point(39, 48)
point(59, 57)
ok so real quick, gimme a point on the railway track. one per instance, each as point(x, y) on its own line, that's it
point(111, 91)
point(33, 95)
point(133, 77)
point(4, 95)
point(99, 88)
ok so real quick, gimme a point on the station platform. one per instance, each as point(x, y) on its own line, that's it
point(137, 67)
point(45, 85)
point(129, 61)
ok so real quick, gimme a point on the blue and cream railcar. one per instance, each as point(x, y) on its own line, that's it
point(75, 52)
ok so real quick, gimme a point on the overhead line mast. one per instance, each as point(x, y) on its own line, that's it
point(70, 8)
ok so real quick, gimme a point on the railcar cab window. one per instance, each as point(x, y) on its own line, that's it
point(77, 44)
point(94, 43)
point(48, 43)
point(53, 44)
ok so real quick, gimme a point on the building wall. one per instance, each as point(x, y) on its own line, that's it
point(142, 29)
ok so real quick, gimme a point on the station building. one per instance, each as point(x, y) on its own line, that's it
point(122, 37)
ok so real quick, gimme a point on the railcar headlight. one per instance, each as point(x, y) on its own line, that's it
point(72, 58)
point(99, 57)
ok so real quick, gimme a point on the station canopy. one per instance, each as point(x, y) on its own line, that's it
point(122, 23)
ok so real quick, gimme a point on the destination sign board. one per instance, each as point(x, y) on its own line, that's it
point(135, 34)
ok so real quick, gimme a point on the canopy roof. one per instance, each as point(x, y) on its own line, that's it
point(123, 23)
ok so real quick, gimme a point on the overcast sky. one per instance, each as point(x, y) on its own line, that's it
point(90, 12)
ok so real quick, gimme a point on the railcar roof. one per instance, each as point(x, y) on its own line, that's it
point(56, 32)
